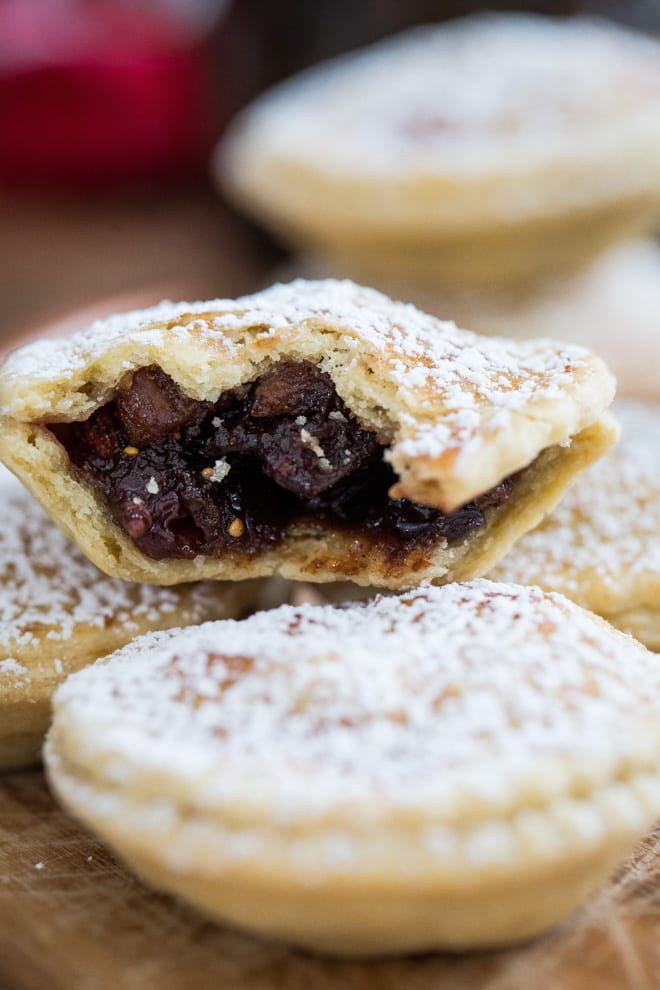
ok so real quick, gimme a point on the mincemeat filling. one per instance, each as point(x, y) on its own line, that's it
point(183, 477)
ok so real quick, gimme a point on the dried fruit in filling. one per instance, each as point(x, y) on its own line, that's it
point(183, 477)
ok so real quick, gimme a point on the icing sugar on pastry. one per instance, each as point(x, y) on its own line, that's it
point(454, 766)
point(404, 697)
point(427, 360)
point(588, 307)
point(49, 588)
point(461, 365)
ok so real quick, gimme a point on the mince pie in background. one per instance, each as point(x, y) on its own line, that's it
point(601, 545)
point(58, 613)
point(315, 430)
point(453, 767)
point(492, 150)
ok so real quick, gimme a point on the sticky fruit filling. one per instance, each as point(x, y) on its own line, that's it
point(183, 477)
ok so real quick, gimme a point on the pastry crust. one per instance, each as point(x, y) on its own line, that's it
point(353, 782)
point(488, 151)
point(612, 307)
point(601, 545)
point(58, 613)
point(459, 413)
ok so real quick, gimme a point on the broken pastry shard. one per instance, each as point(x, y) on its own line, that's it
point(601, 545)
point(452, 768)
point(488, 151)
point(315, 430)
point(58, 613)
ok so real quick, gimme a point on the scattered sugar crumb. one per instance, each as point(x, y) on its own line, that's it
point(312, 442)
point(12, 666)
point(221, 469)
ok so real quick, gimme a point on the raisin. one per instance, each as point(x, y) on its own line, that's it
point(97, 440)
point(309, 459)
point(152, 406)
point(292, 388)
point(498, 495)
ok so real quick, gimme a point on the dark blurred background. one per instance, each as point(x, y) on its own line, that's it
point(109, 110)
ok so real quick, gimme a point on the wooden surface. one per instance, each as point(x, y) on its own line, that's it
point(72, 918)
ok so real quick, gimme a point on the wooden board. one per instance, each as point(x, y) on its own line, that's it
point(72, 918)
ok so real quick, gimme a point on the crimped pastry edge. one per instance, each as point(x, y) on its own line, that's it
point(401, 900)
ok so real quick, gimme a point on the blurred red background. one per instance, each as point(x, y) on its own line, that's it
point(108, 112)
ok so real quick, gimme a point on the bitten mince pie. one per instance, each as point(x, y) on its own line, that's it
point(450, 768)
point(490, 150)
point(315, 430)
point(58, 613)
point(601, 546)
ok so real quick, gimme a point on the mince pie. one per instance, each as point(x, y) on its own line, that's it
point(315, 430)
point(449, 768)
point(486, 151)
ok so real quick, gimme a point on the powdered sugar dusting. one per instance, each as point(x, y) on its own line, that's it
point(609, 522)
point(12, 670)
point(405, 698)
point(48, 588)
point(64, 355)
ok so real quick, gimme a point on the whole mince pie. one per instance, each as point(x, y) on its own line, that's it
point(316, 430)
point(408, 801)
point(486, 152)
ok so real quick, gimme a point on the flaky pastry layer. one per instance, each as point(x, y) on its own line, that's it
point(621, 288)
